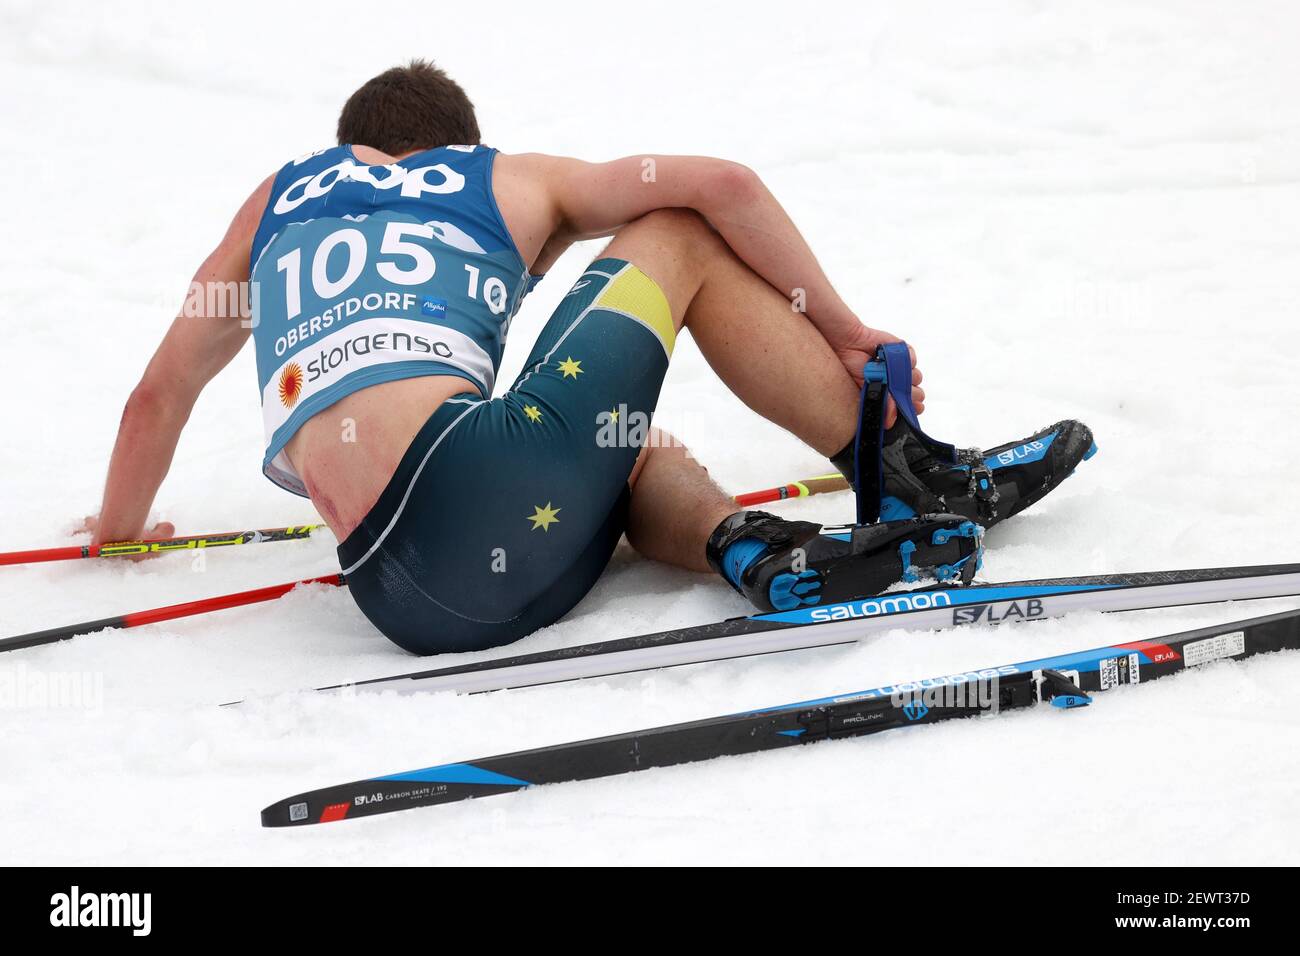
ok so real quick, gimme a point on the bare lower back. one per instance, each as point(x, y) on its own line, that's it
point(347, 453)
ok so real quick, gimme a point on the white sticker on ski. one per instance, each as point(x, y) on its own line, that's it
point(1214, 648)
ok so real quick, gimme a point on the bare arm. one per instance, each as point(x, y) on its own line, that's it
point(581, 200)
point(194, 349)
point(595, 199)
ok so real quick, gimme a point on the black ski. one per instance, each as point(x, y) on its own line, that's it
point(1064, 680)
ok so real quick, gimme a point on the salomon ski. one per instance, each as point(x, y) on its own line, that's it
point(850, 621)
point(1064, 681)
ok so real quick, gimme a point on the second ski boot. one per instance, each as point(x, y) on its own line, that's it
point(783, 565)
point(985, 486)
point(902, 472)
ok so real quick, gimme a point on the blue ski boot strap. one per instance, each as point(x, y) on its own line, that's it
point(889, 375)
point(740, 556)
point(868, 446)
point(897, 360)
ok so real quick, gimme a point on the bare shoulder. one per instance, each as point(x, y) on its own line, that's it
point(249, 215)
point(523, 184)
point(231, 253)
point(537, 166)
point(540, 171)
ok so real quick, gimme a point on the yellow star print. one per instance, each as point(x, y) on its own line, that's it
point(570, 368)
point(613, 415)
point(544, 517)
point(533, 413)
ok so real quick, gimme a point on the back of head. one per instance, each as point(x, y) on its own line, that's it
point(411, 107)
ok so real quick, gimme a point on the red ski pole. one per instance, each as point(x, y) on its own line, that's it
point(138, 618)
point(796, 489)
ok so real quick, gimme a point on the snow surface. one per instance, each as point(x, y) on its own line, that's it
point(1072, 210)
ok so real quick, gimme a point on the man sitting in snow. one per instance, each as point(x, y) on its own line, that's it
point(386, 272)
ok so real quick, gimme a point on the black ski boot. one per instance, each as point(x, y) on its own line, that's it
point(902, 472)
point(985, 486)
point(783, 565)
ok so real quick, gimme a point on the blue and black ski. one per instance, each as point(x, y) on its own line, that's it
point(1064, 681)
point(849, 621)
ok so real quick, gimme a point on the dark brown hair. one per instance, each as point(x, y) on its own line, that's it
point(416, 106)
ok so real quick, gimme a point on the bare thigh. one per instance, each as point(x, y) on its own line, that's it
point(676, 248)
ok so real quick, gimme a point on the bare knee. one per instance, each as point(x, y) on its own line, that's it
point(683, 231)
point(662, 446)
point(672, 246)
point(683, 225)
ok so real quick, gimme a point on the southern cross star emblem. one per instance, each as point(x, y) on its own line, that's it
point(544, 517)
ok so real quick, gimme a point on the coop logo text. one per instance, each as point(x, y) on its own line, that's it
point(438, 179)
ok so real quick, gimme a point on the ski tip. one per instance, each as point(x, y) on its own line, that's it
point(276, 815)
point(296, 812)
point(1092, 450)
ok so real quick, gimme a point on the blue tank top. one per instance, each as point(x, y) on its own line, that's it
point(367, 274)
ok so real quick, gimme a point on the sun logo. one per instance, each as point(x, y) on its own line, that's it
point(290, 384)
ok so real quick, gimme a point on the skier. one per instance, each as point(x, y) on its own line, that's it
point(385, 272)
